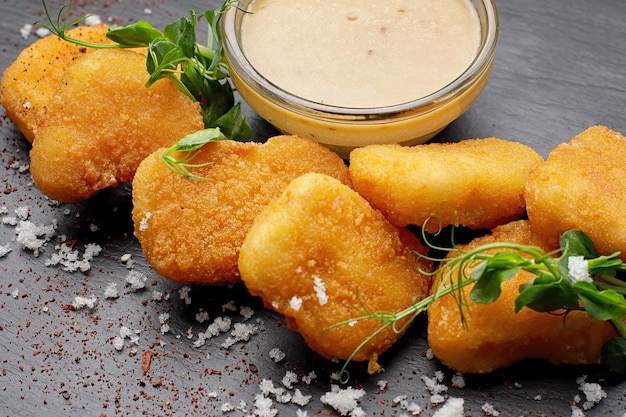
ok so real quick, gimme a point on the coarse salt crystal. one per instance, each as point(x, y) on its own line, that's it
point(300, 399)
point(454, 407)
point(320, 290)
point(136, 280)
point(143, 224)
point(289, 379)
point(202, 316)
point(5, 249)
point(111, 291)
point(295, 303)
point(25, 30)
point(277, 355)
point(84, 302)
point(92, 20)
point(343, 400)
point(490, 410)
point(578, 268)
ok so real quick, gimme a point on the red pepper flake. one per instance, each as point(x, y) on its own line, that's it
point(146, 358)
point(68, 307)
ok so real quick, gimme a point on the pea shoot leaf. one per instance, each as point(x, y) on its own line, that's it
point(601, 305)
point(613, 355)
point(182, 33)
point(575, 242)
point(546, 294)
point(138, 34)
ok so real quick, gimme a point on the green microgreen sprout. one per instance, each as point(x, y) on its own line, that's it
point(573, 277)
point(189, 146)
point(200, 71)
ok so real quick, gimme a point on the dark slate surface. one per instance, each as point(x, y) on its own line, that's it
point(560, 67)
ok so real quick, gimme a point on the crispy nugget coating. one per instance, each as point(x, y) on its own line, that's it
point(102, 122)
point(28, 84)
point(582, 185)
point(191, 232)
point(496, 336)
point(477, 183)
point(320, 250)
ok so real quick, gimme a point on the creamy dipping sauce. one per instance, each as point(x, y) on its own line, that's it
point(361, 53)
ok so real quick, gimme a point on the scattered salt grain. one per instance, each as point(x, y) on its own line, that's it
point(92, 20)
point(136, 280)
point(264, 407)
point(382, 385)
point(246, 312)
point(118, 343)
point(25, 30)
point(111, 291)
point(309, 378)
point(34, 236)
point(320, 290)
point(4, 250)
point(277, 355)
point(157, 295)
point(593, 393)
point(295, 303)
point(183, 293)
point(15, 293)
point(435, 387)
point(143, 224)
point(22, 212)
point(490, 410)
point(42, 32)
point(578, 268)
point(407, 406)
point(453, 407)
point(300, 399)
point(241, 333)
point(202, 316)
point(71, 260)
point(84, 302)
point(343, 400)
point(227, 407)
point(220, 325)
point(577, 412)
point(147, 11)
point(289, 379)
point(429, 354)
point(229, 306)
point(458, 381)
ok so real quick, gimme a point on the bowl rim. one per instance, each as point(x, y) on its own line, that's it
point(230, 22)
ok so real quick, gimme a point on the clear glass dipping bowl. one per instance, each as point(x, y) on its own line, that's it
point(343, 129)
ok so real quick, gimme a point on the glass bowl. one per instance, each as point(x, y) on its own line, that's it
point(343, 129)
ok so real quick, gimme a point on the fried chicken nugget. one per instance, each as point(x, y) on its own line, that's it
point(477, 183)
point(103, 121)
point(191, 231)
point(319, 253)
point(28, 84)
point(582, 185)
point(495, 336)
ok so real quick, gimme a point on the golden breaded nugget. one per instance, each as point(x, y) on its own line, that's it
point(582, 185)
point(495, 336)
point(103, 121)
point(28, 84)
point(320, 252)
point(191, 231)
point(477, 183)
